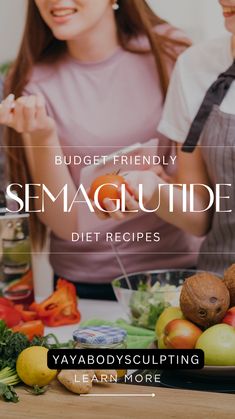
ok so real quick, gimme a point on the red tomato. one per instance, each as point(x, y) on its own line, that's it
point(5, 302)
point(10, 316)
point(107, 191)
point(30, 329)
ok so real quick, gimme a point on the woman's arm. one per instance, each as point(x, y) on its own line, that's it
point(41, 145)
point(191, 170)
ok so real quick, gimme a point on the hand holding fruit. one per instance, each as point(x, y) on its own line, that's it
point(26, 115)
point(111, 191)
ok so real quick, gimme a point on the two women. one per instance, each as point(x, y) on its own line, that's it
point(91, 77)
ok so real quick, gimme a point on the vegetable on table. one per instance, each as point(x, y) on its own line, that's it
point(12, 344)
point(78, 386)
point(60, 308)
point(8, 378)
point(36, 390)
point(80, 381)
point(9, 314)
point(30, 329)
point(5, 302)
point(26, 315)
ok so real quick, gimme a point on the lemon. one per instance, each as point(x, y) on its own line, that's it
point(31, 367)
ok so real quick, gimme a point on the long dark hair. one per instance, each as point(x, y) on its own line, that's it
point(134, 18)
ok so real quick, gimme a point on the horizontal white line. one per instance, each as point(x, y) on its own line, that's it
point(105, 146)
point(133, 382)
point(119, 395)
point(124, 253)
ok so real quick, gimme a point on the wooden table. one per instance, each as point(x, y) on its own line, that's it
point(58, 403)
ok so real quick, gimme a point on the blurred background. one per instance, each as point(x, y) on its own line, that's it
point(200, 19)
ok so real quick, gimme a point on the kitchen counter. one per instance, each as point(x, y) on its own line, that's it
point(58, 403)
point(116, 401)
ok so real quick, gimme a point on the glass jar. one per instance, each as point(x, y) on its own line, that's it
point(16, 249)
point(101, 337)
point(16, 282)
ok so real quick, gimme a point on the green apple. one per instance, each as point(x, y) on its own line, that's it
point(218, 344)
point(170, 313)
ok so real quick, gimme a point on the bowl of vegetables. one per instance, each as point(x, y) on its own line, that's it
point(145, 295)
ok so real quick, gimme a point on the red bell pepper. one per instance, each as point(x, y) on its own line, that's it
point(30, 329)
point(10, 315)
point(60, 308)
point(5, 302)
point(27, 315)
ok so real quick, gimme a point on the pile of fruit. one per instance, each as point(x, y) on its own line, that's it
point(205, 319)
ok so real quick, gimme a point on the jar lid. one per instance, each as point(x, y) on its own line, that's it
point(99, 335)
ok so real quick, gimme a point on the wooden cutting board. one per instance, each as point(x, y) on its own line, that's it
point(58, 403)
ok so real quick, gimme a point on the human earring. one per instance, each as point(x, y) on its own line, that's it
point(115, 6)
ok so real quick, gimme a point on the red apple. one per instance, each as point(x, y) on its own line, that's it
point(230, 317)
point(181, 334)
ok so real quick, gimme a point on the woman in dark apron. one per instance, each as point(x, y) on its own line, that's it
point(208, 151)
point(199, 113)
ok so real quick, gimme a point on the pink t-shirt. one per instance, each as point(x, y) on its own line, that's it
point(116, 102)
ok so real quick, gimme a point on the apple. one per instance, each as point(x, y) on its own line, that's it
point(230, 317)
point(160, 342)
point(218, 344)
point(180, 334)
point(170, 313)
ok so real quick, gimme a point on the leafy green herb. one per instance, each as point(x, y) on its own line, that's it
point(13, 343)
point(51, 342)
point(8, 378)
point(154, 312)
point(37, 391)
point(143, 286)
point(8, 393)
point(146, 308)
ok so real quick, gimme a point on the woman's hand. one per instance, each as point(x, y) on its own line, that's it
point(26, 115)
point(148, 179)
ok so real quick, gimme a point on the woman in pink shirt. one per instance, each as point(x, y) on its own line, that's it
point(90, 75)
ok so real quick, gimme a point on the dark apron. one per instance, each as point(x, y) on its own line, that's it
point(218, 141)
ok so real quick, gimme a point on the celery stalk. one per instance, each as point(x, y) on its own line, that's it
point(8, 378)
